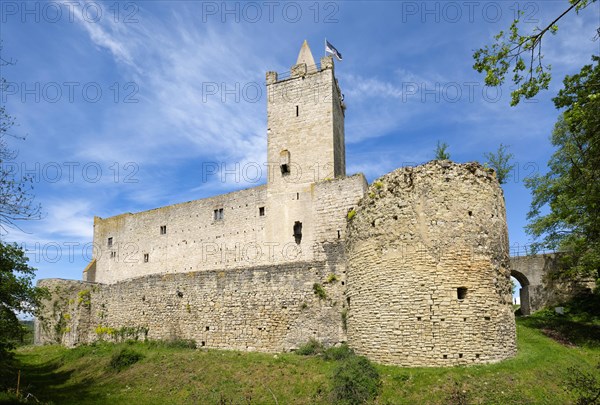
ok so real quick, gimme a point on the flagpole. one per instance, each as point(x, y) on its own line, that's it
point(325, 48)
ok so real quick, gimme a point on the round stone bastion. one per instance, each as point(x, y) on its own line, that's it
point(428, 277)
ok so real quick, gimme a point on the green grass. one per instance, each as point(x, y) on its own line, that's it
point(175, 374)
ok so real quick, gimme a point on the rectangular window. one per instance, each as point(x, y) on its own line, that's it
point(113, 254)
point(261, 211)
point(218, 214)
point(146, 257)
point(163, 229)
point(297, 111)
point(110, 242)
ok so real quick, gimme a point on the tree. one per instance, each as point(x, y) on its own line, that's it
point(522, 53)
point(441, 151)
point(17, 293)
point(500, 162)
point(571, 188)
point(16, 191)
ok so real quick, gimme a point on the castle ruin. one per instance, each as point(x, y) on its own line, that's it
point(411, 270)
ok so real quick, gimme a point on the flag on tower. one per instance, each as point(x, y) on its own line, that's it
point(331, 49)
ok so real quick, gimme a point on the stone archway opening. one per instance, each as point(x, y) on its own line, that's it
point(525, 308)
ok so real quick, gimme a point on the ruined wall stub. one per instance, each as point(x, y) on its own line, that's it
point(428, 268)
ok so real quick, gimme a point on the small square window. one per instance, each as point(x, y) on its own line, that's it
point(261, 211)
point(146, 257)
point(461, 293)
point(218, 214)
point(110, 242)
point(163, 229)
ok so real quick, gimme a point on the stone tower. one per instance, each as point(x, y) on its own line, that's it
point(305, 145)
point(428, 268)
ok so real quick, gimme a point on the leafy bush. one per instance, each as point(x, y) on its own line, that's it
point(319, 291)
point(585, 385)
point(344, 315)
point(338, 353)
point(124, 358)
point(311, 348)
point(355, 381)
point(351, 214)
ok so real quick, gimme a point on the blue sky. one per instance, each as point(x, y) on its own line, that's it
point(129, 106)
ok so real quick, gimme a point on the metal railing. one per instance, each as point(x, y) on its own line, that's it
point(518, 250)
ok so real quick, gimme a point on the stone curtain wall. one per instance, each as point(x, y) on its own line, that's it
point(265, 308)
point(428, 268)
point(193, 241)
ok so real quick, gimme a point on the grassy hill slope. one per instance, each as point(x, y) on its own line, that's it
point(539, 374)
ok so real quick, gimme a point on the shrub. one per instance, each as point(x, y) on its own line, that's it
point(319, 291)
point(351, 214)
point(355, 381)
point(312, 347)
point(124, 358)
point(84, 298)
point(338, 353)
point(585, 385)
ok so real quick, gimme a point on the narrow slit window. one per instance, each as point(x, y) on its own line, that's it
point(146, 257)
point(298, 231)
point(110, 242)
point(284, 162)
point(163, 229)
point(261, 211)
point(297, 111)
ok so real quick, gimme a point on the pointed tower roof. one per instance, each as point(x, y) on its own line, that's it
point(305, 55)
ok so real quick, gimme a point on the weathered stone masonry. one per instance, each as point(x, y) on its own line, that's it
point(259, 309)
point(428, 268)
point(415, 274)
